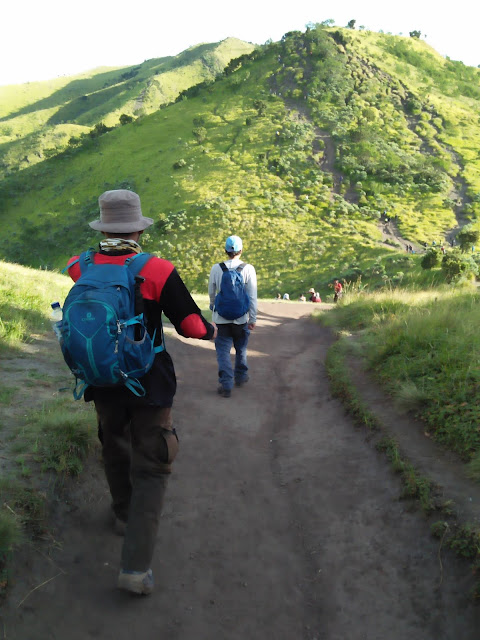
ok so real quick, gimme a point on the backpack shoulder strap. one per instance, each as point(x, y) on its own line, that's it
point(241, 266)
point(137, 262)
point(223, 266)
point(84, 259)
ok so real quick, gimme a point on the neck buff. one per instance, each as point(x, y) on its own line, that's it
point(120, 244)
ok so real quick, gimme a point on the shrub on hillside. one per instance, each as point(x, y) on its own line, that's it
point(125, 119)
point(467, 237)
point(260, 106)
point(430, 259)
point(179, 164)
point(99, 129)
point(455, 264)
point(200, 134)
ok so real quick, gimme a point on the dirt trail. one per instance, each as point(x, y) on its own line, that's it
point(282, 522)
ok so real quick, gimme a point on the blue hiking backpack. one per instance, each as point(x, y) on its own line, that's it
point(105, 341)
point(232, 301)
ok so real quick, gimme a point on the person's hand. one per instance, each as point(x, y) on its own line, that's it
point(251, 326)
point(215, 331)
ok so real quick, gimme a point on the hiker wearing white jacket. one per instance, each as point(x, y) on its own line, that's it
point(233, 330)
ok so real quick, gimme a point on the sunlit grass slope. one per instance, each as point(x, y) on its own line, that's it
point(25, 297)
point(247, 154)
point(220, 189)
point(425, 348)
point(38, 119)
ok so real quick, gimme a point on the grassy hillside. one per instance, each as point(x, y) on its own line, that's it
point(25, 297)
point(38, 119)
point(302, 147)
point(423, 347)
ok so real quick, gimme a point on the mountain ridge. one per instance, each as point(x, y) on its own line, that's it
point(80, 102)
point(309, 143)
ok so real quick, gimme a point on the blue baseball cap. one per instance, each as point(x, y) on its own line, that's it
point(233, 243)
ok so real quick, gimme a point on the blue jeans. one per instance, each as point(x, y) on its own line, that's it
point(228, 335)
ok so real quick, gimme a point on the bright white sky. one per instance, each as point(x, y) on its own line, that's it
point(43, 39)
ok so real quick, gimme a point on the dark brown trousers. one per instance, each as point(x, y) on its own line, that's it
point(138, 447)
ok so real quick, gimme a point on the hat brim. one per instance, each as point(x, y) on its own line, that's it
point(121, 227)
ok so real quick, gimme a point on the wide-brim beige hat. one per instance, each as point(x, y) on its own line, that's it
point(120, 212)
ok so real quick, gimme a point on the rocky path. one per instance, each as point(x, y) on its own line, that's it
point(282, 522)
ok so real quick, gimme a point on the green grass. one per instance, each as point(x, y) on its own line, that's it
point(473, 467)
point(10, 537)
point(424, 347)
point(6, 395)
point(463, 539)
point(414, 486)
point(39, 118)
point(342, 388)
point(258, 171)
point(25, 297)
point(23, 513)
point(58, 437)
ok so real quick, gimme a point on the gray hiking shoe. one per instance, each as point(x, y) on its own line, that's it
point(140, 582)
point(240, 383)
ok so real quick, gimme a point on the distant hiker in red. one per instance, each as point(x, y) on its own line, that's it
point(338, 290)
point(138, 440)
point(314, 295)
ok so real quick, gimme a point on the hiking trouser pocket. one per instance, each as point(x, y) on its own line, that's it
point(171, 440)
point(156, 454)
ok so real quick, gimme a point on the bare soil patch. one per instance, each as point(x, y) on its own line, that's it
point(282, 521)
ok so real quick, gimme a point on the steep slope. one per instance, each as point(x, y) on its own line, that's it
point(38, 119)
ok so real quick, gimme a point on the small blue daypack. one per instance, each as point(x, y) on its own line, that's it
point(232, 301)
point(105, 341)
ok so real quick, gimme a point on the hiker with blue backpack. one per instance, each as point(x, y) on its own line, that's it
point(232, 289)
point(112, 339)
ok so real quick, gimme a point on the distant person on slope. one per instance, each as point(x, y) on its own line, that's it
point(139, 443)
point(337, 290)
point(234, 313)
point(314, 295)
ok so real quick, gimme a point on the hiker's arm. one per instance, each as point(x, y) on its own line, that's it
point(251, 289)
point(182, 311)
point(212, 287)
point(73, 268)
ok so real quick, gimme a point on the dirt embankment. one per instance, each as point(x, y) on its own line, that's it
point(282, 521)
